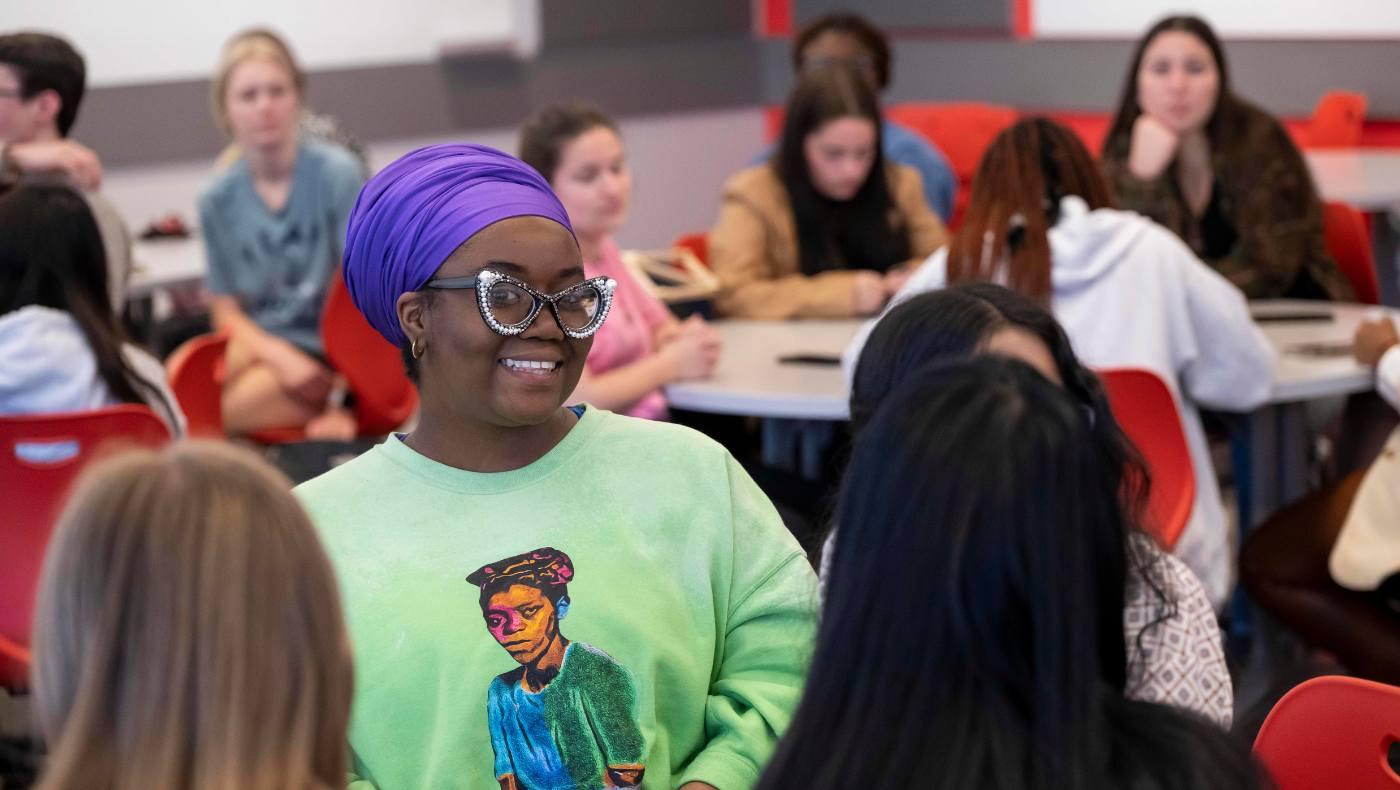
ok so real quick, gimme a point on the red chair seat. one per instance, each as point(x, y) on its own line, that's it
point(40, 455)
point(1332, 732)
point(1145, 409)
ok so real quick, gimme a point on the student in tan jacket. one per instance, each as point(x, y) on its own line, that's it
point(824, 229)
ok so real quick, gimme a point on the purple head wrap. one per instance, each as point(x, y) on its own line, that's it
point(412, 215)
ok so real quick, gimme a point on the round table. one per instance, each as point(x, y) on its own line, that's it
point(802, 402)
point(752, 380)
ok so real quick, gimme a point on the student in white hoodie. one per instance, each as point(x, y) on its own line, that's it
point(61, 345)
point(1128, 292)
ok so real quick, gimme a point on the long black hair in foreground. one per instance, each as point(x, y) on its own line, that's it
point(960, 645)
point(957, 323)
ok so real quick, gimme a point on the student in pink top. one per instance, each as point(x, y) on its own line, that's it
point(641, 347)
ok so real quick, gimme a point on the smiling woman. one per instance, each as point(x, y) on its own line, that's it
point(657, 545)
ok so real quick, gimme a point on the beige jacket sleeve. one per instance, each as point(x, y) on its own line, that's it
point(753, 251)
point(926, 231)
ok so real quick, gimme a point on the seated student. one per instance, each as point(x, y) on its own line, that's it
point(825, 228)
point(464, 545)
point(1128, 293)
point(971, 633)
point(1174, 651)
point(42, 79)
point(1216, 170)
point(642, 346)
point(850, 40)
point(1328, 566)
point(188, 631)
point(274, 228)
point(62, 347)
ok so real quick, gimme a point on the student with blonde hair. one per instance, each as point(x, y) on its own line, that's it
point(188, 631)
point(274, 230)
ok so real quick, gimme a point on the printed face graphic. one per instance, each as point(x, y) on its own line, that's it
point(523, 621)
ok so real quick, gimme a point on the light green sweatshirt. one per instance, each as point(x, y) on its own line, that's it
point(635, 608)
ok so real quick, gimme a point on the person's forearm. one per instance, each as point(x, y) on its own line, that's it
point(622, 387)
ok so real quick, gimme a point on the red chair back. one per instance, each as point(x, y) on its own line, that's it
point(195, 372)
point(1146, 410)
point(962, 131)
point(1337, 120)
point(372, 366)
point(697, 243)
point(1349, 244)
point(1332, 732)
point(40, 455)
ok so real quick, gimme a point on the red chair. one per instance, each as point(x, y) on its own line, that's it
point(1349, 244)
point(1146, 410)
point(962, 131)
point(1332, 732)
point(697, 243)
point(40, 455)
point(195, 372)
point(1337, 120)
point(372, 367)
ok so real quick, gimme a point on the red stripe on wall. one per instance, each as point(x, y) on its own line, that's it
point(774, 18)
point(1021, 19)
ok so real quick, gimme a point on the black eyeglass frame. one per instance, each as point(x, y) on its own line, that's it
point(482, 282)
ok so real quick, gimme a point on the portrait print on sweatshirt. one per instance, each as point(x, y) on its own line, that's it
point(566, 716)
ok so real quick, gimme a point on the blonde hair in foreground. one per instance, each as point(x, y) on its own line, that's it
point(188, 632)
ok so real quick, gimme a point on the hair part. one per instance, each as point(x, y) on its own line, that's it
point(1024, 174)
point(254, 44)
point(545, 134)
point(855, 26)
point(51, 255)
point(47, 63)
point(185, 592)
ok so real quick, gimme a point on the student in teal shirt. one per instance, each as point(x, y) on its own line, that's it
point(541, 597)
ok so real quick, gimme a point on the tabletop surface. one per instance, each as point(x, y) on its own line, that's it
point(1314, 362)
point(1366, 178)
point(164, 263)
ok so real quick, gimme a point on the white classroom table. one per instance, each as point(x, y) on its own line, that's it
point(1370, 180)
point(802, 403)
point(165, 263)
point(1366, 178)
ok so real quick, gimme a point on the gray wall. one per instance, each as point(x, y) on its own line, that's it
point(144, 124)
point(943, 15)
point(566, 23)
point(1285, 77)
point(647, 74)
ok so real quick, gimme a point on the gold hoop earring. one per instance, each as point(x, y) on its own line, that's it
point(415, 350)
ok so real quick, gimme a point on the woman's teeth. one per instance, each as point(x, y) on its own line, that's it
point(527, 364)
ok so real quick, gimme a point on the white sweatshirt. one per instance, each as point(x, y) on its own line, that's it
point(46, 366)
point(1129, 293)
